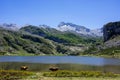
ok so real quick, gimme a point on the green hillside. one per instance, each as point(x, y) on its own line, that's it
point(58, 36)
point(21, 43)
point(15, 42)
point(32, 40)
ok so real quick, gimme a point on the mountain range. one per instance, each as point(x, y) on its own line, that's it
point(66, 39)
point(64, 27)
point(79, 29)
point(42, 40)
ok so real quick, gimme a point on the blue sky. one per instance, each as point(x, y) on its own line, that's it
point(90, 13)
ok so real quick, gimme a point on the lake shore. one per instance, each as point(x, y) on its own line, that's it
point(104, 56)
point(26, 75)
point(40, 67)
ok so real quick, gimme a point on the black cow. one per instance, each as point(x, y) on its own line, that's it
point(53, 68)
point(24, 68)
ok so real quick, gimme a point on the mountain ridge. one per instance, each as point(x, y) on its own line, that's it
point(42, 40)
point(70, 27)
point(79, 29)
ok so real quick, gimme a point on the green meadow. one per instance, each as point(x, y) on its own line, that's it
point(37, 71)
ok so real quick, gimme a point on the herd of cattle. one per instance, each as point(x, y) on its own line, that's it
point(51, 68)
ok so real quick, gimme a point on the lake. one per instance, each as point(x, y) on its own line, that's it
point(64, 62)
point(100, 61)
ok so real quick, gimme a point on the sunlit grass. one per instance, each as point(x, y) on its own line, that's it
point(39, 76)
point(25, 75)
point(76, 78)
point(66, 73)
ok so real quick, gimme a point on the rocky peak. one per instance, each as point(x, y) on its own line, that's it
point(71, 27)
point(111, 29)
point(79, 29)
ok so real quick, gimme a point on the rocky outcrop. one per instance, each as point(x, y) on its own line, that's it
point(111, 30)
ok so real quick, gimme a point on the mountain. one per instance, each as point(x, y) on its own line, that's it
point(79, 29)
point(29, 41)
point(12, 42)
point(72, 27)
point(97, 32)
point(24, 43)
point(111, 29)
point(111, 44)
point(63, 27)
point(13, 27)
point(73, 42)
point(42, 40)
point(111, 34)
point(58, 36)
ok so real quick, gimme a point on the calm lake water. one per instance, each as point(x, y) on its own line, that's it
point(99, 61)
point(74, 63)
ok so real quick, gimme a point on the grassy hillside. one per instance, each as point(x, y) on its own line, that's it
point(15, 42)
point(12, 42)
point(58, 36)
point(32, 40)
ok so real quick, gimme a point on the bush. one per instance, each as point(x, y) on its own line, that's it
point(64, 73)
point(13, 75)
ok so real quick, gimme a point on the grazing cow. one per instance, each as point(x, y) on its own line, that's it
point(53, 68)
point(24, 68)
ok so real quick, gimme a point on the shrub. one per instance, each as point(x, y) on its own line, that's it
point(13, 75)
point(64, 73)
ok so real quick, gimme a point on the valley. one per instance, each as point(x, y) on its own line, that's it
point(43, 40)
point(67, 39)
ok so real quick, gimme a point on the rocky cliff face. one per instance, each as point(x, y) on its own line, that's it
point(110, 30)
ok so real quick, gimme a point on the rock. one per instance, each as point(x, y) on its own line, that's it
point(110, 30)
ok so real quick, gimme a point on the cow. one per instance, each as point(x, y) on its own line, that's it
point(53, 68)
point(24, 68)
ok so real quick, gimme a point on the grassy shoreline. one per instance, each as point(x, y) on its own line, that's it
point(74, 78)
point(90, 55)
point(63, 66)
point(39, 76)
point(26, 75)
